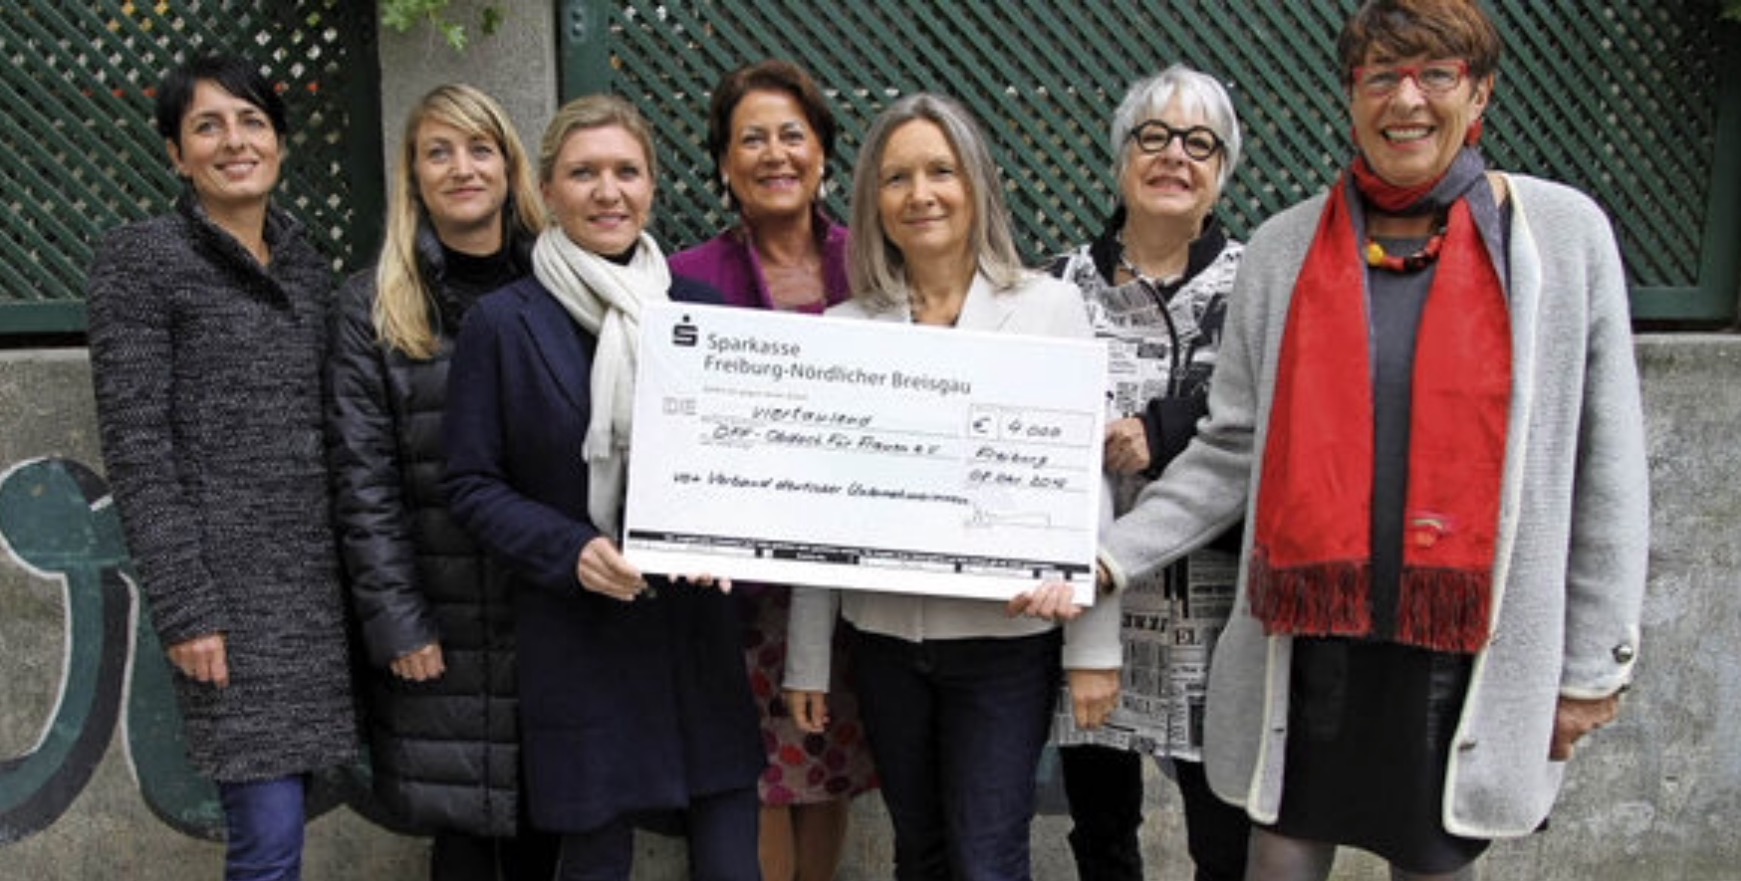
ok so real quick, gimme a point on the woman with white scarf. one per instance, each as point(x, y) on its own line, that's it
point(635, 705)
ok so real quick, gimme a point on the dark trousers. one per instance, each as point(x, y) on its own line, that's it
point(722, 829)
point(1216, 832)
point(1105, 789)
point(956, 727)
point(529, 856)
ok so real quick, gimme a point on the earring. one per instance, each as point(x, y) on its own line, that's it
point(1473, 136)
point(821, 190)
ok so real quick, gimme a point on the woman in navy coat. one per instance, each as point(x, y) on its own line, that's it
point(635, 706)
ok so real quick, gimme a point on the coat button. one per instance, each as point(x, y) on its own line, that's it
point(1464, 746)
point(1624, 653)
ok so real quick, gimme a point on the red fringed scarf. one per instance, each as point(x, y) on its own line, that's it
point(1311, 568)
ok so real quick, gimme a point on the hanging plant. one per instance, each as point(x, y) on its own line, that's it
point(403, 15)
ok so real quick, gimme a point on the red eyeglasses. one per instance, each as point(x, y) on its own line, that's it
point(1432, 77)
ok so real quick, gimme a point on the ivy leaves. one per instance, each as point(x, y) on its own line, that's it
point(403, 15)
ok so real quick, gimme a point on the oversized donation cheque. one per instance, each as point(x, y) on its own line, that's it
point(863, 454)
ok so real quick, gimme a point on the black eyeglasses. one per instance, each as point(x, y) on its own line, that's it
point(1153, 137)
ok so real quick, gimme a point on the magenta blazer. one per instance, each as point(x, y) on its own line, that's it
point(728, 264)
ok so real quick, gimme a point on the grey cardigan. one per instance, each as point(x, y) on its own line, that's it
point(207, 367)
point(1574, 516)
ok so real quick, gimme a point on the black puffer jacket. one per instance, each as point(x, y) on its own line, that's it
point(445, 752)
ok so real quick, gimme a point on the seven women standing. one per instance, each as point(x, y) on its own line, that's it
point(1405, 578)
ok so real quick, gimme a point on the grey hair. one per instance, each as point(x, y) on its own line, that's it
point(1197, 91)
point(878, 270)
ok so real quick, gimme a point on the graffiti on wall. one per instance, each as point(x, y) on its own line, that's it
point(56, 520)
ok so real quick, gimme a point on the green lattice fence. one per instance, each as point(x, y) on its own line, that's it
point(1637, 102)
point(82, 155)
point(1620, 99)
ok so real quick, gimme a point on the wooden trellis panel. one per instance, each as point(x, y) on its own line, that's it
point(1624, 100)
point(83, 155)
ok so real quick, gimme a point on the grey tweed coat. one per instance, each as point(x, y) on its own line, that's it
point(207, 367)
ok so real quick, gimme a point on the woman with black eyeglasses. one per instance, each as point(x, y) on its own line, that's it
point(1156, 283)
point(1427, 408)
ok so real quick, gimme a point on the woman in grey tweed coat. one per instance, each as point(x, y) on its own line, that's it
point(208, 333)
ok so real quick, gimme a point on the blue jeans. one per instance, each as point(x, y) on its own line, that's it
point(956, 727)
point(264, 819)
point(723, 832)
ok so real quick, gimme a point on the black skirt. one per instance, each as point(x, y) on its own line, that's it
point(1370, 731)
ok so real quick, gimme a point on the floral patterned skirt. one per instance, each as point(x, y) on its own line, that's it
point(802, 768)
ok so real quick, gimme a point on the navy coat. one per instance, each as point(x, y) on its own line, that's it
point(625, 708)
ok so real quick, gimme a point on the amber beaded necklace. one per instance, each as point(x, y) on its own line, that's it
point(1378, 258)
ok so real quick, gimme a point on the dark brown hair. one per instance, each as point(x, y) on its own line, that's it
point(1433, 28)
point(767, 76)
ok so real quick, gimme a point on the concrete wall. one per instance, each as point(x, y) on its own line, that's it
point(72, 689)
point(513, 65)
point(1656, 796)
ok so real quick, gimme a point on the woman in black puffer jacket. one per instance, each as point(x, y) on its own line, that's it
point(436, 622)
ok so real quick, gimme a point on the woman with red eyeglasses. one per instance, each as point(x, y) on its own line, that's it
point(1427, 410)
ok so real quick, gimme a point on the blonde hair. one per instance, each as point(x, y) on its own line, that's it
point(878, 269)
point(402, 301)
point(595, 111)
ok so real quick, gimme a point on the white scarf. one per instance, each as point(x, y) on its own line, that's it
point(605, 298)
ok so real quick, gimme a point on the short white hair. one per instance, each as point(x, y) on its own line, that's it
point(1198, 91)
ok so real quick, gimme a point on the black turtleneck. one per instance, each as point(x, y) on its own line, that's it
point(466, 277)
